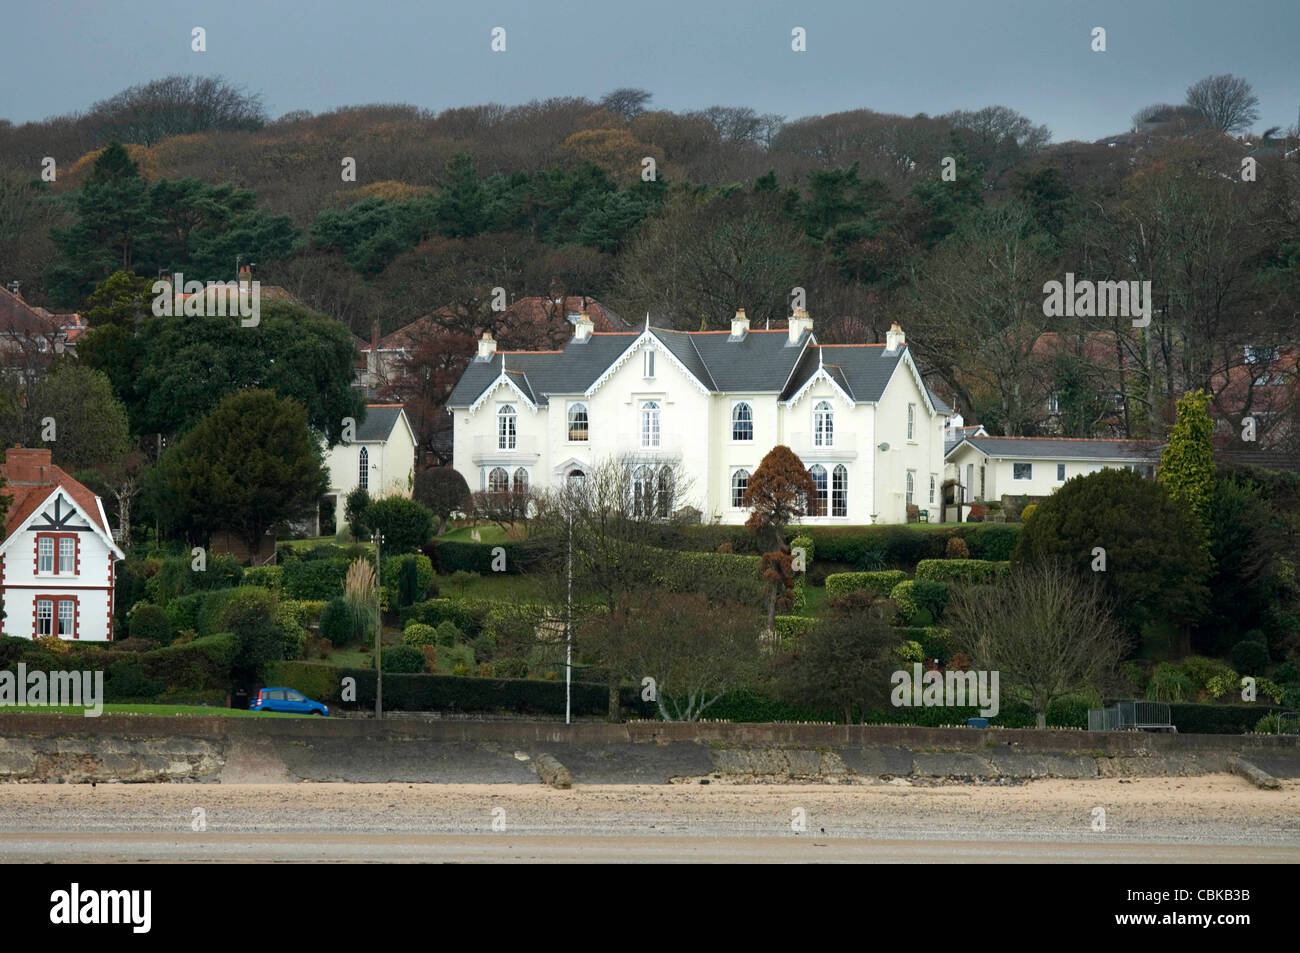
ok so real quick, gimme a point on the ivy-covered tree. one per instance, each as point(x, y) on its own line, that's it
point(1187, 463)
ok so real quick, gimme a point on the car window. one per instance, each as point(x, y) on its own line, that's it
point(294, 697)
point(275, 696)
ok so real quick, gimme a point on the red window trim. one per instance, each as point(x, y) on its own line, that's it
point(76, 554)
point(54, 619)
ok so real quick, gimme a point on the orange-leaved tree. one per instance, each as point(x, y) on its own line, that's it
point(778, 491)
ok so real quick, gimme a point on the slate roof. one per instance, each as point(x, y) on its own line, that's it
point(379, 423)
point(1069, 448)
point(763, 361)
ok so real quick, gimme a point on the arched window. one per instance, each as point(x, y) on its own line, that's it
point(578, 422)
point(363, 474)
point(840, 491)
point(823, 424)
point(576, 478)
point(911, 487)
point(739, 484)
point(664, 502)
point(911, 421)
point(742, 422)
point(521, 480)
point(650, 423)
point(507, 435)
point(640, 491)
point(498, 481)
point(818, 474)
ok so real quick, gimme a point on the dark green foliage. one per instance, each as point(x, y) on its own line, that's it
point(354, 512)
point(315, 578)
point(967, 571)
point(468, 617)
point(444, 491)
point(125, 680)
point(408, 584)
point(404, 524)
point(1250, 657)
point(453, 693)
point(449, 557)
point(150, 622)
point(1217, 719)
point(337, 622)
point(269, 577)
point(403, 659)
point(209, 613)
point(1155, 568)
point(721, 577)
point(202, 663)
point(249, 612)
point(421, 582)
point(176, 577)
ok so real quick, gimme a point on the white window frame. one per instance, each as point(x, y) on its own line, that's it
point(910, 494)
point(735, 409)
point(823, 424)
point(42, 544)
point(648, 364)
point(839, 497)
point(651, 428)
point(507, 427)
point(1060, 473)
point(44, 613)
point(71, 616)
point(934, 483)
point(514, 480)
point(822, 498)
point(1021, 463)
point(731, 486)
point(911, 423)
point(488, 480)
point(568, 422)
point(68, 567)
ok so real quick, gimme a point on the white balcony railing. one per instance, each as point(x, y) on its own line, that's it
point(488, 449)
point(632, 446)
point(844, 446)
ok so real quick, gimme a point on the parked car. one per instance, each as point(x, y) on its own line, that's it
point(286, 699)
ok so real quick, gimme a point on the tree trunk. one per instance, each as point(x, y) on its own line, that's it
point(1040, 719)
point(615, 713)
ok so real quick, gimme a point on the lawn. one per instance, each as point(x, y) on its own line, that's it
point(487, 534)
point(314, 541)
point(168, 710)
point(492, 587)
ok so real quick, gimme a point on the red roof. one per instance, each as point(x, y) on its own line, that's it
point(31, 478)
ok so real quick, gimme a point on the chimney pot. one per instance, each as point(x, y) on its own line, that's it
point(894, 338)
point(583, 327)
point(487, 347)
point(739, 325)
point(799, 323)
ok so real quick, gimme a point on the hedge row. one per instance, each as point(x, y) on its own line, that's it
point(448, 556)
point(972, 571)
point(315, 578)
point(1217, 719)
point(790, 628)
point(448, 692)
point(880, 582)
point(722, 577)
point(896, 545)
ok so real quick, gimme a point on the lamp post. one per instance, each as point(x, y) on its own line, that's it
point(568, 624)
point(379, 638)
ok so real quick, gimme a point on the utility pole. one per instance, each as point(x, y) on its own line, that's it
point(568, 625)
point(379, 639)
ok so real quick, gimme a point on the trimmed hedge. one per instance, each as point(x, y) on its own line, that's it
point(457, 693)
point(448, 557)
point(202, 663)
point(315, 578)
point(467, 616)
point(919, 601)
point(317, 681)
point(971, 571)
point(721, 577)
point(881, 582)
point(392, 570)
point(269, 577)
point(790, 628)
point(1218, 719)
point(175, 578)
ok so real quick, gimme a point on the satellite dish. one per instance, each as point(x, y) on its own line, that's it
point(883, 448)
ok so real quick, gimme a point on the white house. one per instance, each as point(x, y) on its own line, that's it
point(380, 458)
point(58, 554)
point(994, 468)
point(700, 410)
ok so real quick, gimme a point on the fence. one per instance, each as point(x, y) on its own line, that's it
point(1131, 716)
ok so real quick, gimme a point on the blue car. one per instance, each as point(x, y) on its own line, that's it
point(286, 699)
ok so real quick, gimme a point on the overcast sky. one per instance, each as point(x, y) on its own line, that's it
point(900, 56)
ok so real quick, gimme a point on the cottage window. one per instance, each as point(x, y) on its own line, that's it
point(911, 421)
point(1060, 473)
point(67, 617)
point(742, 422)
point(521, 480)
point(911, 487)
point(578, 429)
point(67, 555)
point(665, 501)
point(934, 482)
point(44, 617)
point(1022, 471)
point(507, 436)
point(45, 548)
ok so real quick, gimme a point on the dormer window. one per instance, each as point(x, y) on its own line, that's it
point(649, 362)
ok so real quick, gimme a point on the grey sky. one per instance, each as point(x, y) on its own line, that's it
point(903, 56)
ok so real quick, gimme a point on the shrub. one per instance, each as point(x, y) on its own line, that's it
point(404, 524)
point(125, 680)
point(993, 541)
point(293, 634)
point(717, 576)
point(417, 633)
point(1169, 683)
point(337, 622)
point(968, 571)
point(269, 577)
point(447, 634)
point(421, 565)
point(408, 581)
point(355, 507)
point(1217, 719)
point(452, 657)
point(881, 583)
point(790, 628)
point(147, 621)
point(403, 658)
point(724, 548)
point(450, 556)
point(957, 548)
point(209, 615)
point(467, 616)
point(1250, 657)
point(1201, 670)
point(313, 578)
point(1027, 512)
point(510, 668)
point(306, 612)
point(175, 577)
point(183, 613)
point(202, 663)
point(249, 613)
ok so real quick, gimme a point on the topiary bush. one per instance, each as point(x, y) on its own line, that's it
point(313, 578)
point(510, 668)
point(269, 577)
point(1250, 657)
point(405, 524)
point(407, 659)
point(418, 633)
point(957, 548)
point(967, 571)
point(337, 622)
point(453, 657)
point(147, 621)
point(447, 634)
point(880, 583)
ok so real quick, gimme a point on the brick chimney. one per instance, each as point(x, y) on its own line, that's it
point(245, 276)
point(487, 347)
point(799, 323)
point(894, 338)
point(27, 465)
point(583, 327)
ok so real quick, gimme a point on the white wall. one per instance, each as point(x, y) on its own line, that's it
point(90, 585)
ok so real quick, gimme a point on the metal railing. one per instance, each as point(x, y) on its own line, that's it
point(1131, 716)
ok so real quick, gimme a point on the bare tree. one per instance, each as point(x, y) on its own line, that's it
point(1045, 629)
point(626, 102)
point(176, 105)
point(1226, 102)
